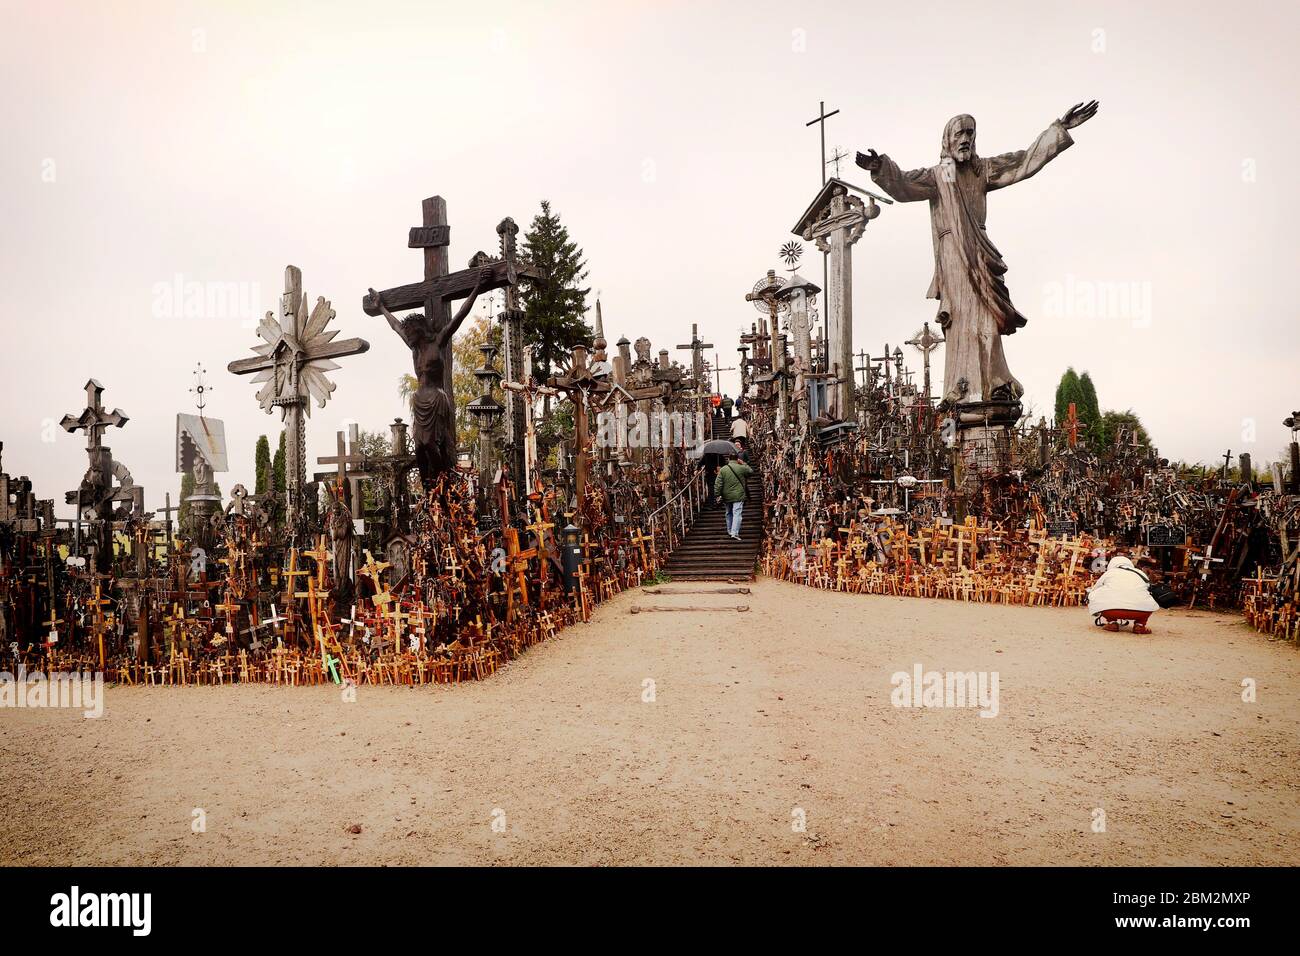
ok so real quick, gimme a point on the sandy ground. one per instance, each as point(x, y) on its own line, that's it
point(755, 716)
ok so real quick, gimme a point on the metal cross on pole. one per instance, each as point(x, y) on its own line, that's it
point(926, 342)
point(821, 118)
point(837, 155)
point(718, 370)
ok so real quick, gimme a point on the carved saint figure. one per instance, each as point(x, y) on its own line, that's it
point(342, 535)
point(433, 408)
point(975, 308)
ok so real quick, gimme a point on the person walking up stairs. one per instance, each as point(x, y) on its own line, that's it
point(730, 485)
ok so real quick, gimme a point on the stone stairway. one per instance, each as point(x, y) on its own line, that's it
point(708, 554)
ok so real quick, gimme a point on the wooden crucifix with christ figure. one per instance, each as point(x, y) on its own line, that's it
point(429, 334)
point(975, 309)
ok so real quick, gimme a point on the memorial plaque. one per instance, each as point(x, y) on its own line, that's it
point(1166, 536)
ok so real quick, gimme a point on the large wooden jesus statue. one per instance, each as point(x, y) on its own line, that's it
point(975, 308)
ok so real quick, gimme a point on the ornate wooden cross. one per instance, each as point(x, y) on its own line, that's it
point(296, 353)
point(578, 384)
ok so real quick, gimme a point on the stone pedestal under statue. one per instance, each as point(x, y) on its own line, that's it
point(984, 448)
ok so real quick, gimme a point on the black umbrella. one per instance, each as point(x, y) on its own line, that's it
point(715, 446)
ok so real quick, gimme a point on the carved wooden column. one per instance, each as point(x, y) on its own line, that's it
point(835, 221)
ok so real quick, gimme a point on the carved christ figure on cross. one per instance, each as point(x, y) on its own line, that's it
point(975, 309)
point(433, 407)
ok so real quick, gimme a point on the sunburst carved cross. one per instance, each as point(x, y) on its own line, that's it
point(297, 350)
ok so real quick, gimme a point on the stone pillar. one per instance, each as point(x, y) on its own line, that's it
point(623, 362)
point(397, 437)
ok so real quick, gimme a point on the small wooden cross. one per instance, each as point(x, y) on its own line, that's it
point(372, 569)
point(321, 556)
point(53, 622)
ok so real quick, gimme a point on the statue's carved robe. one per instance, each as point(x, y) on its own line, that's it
point(432, 409)
point(975, 308)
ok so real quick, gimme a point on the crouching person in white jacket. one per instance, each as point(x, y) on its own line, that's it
point(1120, 595)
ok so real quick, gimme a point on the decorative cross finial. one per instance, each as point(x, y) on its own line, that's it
point(93, 419)
point(200, 388)
point(925, 341)
point(837, 154)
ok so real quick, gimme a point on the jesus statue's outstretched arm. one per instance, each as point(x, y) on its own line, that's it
point(1011, 168)
point(911, 186)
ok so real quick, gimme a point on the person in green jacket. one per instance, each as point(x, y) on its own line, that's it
point(730, 487)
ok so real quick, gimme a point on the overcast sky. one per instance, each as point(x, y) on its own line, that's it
point(147, 143)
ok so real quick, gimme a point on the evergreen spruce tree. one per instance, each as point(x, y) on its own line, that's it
point(554, 303)
point(262, 466)
point(187, 489)
point(277, 469)
point(1067, 391)
point(1089, 411)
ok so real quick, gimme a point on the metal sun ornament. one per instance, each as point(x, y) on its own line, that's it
point(792, 252)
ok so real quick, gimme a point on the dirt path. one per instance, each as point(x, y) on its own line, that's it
point(755, 716)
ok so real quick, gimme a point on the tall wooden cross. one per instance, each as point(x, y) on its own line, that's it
point(441, 287)
point(529, 390)
point(167, 511)
point(718, 370)
point(348, 479)
point(696, 347)
point(296, 352)
point(580, 383)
